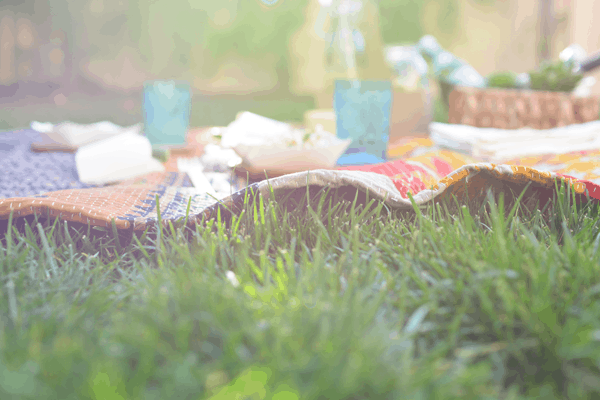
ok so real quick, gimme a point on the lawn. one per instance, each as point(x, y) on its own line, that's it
point(323, 298)
point(205, 110)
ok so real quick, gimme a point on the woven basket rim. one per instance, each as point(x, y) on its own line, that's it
point(467, 89)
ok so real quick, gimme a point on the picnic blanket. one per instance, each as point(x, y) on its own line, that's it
point(46, 184)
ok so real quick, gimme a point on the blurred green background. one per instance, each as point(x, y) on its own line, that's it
point(237, 54)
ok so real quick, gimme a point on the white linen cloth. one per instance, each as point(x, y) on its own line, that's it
point(106, 152)
point(496, 145)
point(117, 158)
point(72, 134)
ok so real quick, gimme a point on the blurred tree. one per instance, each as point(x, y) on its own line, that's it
point(19, 6)
point(441, 19)
point(61, 19)
point(406, 21)
point(190, 38)
point(180, 37)
point(400, 20)
point(254, 29)
point(165, 32)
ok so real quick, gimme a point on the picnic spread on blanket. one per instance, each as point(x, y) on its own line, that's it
point(501, 134)
point(46, 183)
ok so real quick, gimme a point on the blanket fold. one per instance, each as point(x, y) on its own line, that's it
point(423, 171)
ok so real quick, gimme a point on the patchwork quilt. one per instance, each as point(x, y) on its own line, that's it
point(46, 184)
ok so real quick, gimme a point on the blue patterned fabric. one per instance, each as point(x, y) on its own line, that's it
point(27, 173)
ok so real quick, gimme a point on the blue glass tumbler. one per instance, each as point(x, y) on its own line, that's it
point(166, 106)
point(362, 111)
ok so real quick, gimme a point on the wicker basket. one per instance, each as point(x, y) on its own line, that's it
point(513, 109)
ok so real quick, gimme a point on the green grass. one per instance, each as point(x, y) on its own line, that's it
point(205, 110)
point(335, 300)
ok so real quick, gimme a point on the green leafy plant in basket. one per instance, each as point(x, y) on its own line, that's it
point(503, 80)
point(550, 77)
point(554, 77)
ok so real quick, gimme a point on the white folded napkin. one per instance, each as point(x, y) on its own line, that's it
point(76, 135)
point(117, 158)
point(503, 144)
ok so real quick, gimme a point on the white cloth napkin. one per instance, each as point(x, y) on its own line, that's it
point(117, 158)
point(497, 145)
point(106, 152)
point(75, 135)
